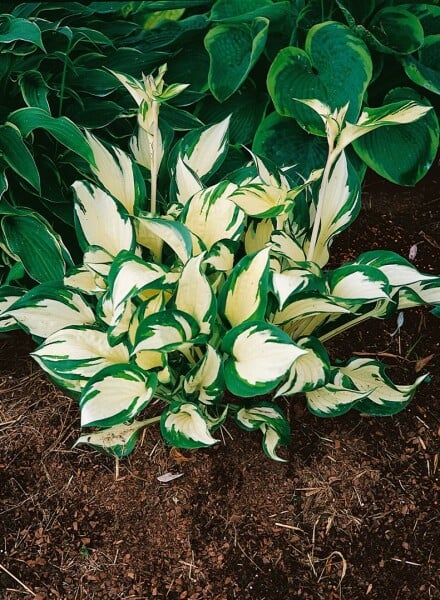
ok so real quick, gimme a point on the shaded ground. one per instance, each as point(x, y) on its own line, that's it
point(353, 514)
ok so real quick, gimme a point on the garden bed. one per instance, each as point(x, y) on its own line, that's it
point(353, 513)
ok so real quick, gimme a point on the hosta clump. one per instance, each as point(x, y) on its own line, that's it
point(196, 314)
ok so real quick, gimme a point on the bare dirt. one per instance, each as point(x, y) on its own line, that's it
point(353, 514)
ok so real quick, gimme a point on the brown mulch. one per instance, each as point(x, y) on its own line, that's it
point(353, 514)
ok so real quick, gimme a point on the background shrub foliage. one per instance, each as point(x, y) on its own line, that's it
point(211, 255)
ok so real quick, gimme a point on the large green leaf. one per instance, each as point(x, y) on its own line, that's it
point(62, 129)
point(16, 29)
point(335, 68)
point(39, 248)
point(34, 89)
point(425, 69)
point(396, 30)
point(233, 50)
point(282, 140)
point(17, 155)
point(404, 153)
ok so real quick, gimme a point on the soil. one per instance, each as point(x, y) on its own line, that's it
point(353, 514)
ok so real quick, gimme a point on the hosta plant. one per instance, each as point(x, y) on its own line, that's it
point(214, 304)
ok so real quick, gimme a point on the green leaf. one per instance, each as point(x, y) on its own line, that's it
point(397, 30)
point(183, 425)
point(15, 29)
point(270, 419)
point(49, 307)
point(233, 50)
point(205, 381)
point(402, 154)
point(243, 9)
point(91, 204)
point(34, 89)
point(383, 397)
point(16, 154)
point(260, 355)
point(71, 356)
point(62, 129)
point(39, 248)
point(282, 140)
point(424, 70)
point(335, 68)
point(244, 294)
point(116, 394)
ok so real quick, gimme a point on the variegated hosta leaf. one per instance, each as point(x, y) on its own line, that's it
point(335, 398)
point(152, 232)
point(205, 380)
point(258, 235)
point(98, 261)
point(116, 394)
point(259, 357)
point(204, 149)
point(165, 331)
point(244, 295)
point(73, 355)
point(221, 256)
point(118, 320)
point(118, 440)
point(212, 216)
point(50, 307)
point(307, 307)
point(214, 421)
point(290, 282)
point(186, 181)
point(340, 200)
point(194, 295)
point(151, 306)
point(141, 148)
point(309, 371)
point(419, 293)
point(398, 270)
point(101, 220)
point(183, 425)
point(118, 174)
point(354, 285)
point(270, 419)
point(287, 247)
point(128, 276)
point(382, 396)
point(8, 296)
point(84, 280)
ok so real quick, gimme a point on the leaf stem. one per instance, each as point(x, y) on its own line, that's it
point(154, 154)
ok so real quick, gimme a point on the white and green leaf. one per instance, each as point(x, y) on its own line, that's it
point(49, 307)
point(118, 440)
point(358, 284)
point(259, 356)
point(205, 380)
point(335, 398)
point(115, 395)
point(383, 397)
point(183, 425)
point(245, 292)
point(152, 232)
point(194, 295)
point(71, 356)
point(309, 371)
point(166, 331)
point(113, 234)
point(203, 150)
point(9, 295)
